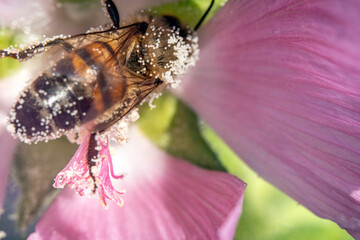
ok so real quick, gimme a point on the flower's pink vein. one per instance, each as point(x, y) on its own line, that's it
point(285, 110)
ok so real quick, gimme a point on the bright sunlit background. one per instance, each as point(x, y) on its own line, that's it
point(268, 214)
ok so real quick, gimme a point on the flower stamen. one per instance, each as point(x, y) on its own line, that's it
point(90, 171)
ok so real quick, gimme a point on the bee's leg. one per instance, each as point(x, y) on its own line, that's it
point(92, 157)
point(113, 13)
point(158, 81)
point(33, 50)
point(204, 16)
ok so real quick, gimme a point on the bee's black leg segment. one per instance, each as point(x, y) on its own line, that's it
point(158, 81)
point(142, 26)
point(113, 13)
point(92, 156)
point(11, 54)
point(204, 15)
point(23, 54)
point(33, 50)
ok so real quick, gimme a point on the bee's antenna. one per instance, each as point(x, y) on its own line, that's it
point(204, 16)
point(113, 13)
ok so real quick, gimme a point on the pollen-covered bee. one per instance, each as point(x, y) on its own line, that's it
point(103, 75)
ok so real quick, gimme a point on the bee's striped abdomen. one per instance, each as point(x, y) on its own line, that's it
point(98, 65)
point(92, 63)
point(73, 92)
point(51, 105)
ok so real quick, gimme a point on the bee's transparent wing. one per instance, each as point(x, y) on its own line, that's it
point(64, 43)
point(138, 90)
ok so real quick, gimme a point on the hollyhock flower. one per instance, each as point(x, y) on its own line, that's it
point(278, 82)
point(166, 197)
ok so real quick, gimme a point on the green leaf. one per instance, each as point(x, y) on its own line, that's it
point(8, 66)
point(189, 11)
point(174, 127)
point(35, 168)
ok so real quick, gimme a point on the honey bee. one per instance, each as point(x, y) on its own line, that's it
point(103, 75)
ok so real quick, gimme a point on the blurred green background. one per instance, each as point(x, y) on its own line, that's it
point(268, 214)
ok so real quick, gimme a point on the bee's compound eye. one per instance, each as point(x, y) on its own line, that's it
point(174, 23)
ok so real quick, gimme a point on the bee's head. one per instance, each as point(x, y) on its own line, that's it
point(174, 23)
point(165, 50)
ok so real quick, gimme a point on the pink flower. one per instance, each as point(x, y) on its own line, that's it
point(166, 197)
point(279, 82)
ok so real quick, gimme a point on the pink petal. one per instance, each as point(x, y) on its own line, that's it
point(53, 18)
point(26, 15)
point(11, 10)
point(50, 17)
point(77, 172)
point(280, 83)
point(10, 88)
point(166, 199)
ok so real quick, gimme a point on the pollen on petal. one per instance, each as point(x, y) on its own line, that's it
point(89, 175)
